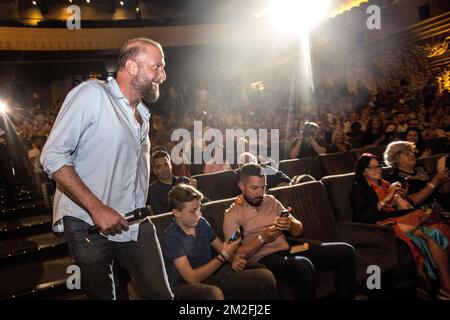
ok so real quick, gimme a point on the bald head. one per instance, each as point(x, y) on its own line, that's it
point(133, 48)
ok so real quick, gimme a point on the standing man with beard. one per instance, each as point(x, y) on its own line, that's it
point(264, 241)
point(98, 154)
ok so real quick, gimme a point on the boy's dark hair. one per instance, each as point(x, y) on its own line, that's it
point(159, 154)
point(181, 194)
point(249, 170)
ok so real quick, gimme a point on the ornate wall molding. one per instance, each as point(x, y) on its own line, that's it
point(37, 39)
point(434, 48)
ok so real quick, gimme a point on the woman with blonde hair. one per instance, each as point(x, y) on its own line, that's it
point(339, 142)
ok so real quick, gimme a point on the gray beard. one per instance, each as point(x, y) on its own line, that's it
point(146, 92)
point(150, 96)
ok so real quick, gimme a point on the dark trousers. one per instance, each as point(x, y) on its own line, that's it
point(253, 283)
point(96, 255)
point(299, 269)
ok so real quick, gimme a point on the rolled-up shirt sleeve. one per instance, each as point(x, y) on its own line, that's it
point(76, 115)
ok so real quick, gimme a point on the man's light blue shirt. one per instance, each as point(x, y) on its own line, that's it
point(97, 133)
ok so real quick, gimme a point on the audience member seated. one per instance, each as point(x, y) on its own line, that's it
point(266, 223)
point(178, 169)
point(374, 135)
point(401, 120)
point(391, 133)
point(433, 130)
point(158, 190)
point(192, 270)
point(422, 117)
point(338, 142)
point(306, 144)
point(413, 123)
point(374, 200)
point(34, 153)
point(413, 135)
point(275, 178)
point(355, 130)
point(422, 189)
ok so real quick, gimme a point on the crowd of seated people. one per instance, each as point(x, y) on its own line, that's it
point(399, 202)
point(383, 118)
point(255, 253)
point(158, 190)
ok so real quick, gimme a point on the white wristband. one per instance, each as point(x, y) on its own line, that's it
point(225, 255)
point(260, 238)
point(432, 186)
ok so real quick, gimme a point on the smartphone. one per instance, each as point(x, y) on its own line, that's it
point(284, 213)
point(236, 235)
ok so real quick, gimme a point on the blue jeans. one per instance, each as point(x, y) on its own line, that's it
point(95, 255)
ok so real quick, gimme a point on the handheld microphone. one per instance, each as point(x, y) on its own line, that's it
point(131, 217)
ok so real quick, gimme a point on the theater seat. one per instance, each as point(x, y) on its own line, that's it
point(213, 212)
point(356, 142)
point(430, 164)
point(218, 185)
point(339, 189)
point(374, 245)
point(377, 151)
point(337, 163)
point(437, 145)
point(297, 167)
point(196, 168)
point(161, 222)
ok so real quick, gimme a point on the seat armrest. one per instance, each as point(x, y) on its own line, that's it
point(380, 240)
point(362, 235)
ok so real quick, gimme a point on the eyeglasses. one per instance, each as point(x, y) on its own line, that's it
point(374, 167)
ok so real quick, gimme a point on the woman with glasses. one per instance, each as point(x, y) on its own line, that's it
point(413, 134)
point(375, 200)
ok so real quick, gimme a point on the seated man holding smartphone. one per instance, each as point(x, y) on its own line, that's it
point(264, 222)
point(194, 273)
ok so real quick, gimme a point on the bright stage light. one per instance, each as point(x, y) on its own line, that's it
point(3, 107)
point(296, 16)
